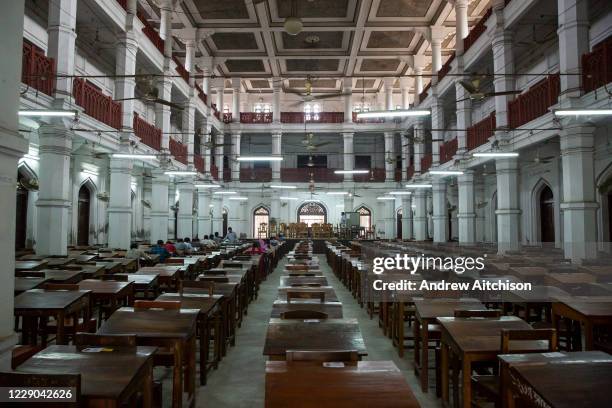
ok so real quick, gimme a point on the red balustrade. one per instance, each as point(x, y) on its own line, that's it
point(255, 117)
point(96, 104)
point(321, 117)
point(180, 69)
point(227, 174)
point(37, 70)
point(198, 162)
point(597, 66)
point(374, 176)
point(398, 175)
point(216, 111)
point(368, 120)
point(410, 172)
point(476, 31)
point(535, 102)
point(178, 150)
point(423, 94)
point(150, 32)
point(214, 172)
point(148, 134)
point(201, 94)
point(426, 162)
point(249, 175)
point(123, 3)
point(446, 67)
point(322, 175)
point(479, 133)
point(227, 117)
point(448, 150)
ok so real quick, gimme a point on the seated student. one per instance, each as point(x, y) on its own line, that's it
point(160, 249)
point(230, 236)
point(180, 247)
point(196, 243)
point(135, 253)
point(255, 249)
point(170, 248)
point(216, 238)
point(273, 241)
point(188, 246)
point(207, 242)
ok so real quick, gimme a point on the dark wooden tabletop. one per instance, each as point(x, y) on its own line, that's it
point(62, 275)
point(29, 265)
point(303, 280)
point(434, 308)
point(141, 279)
point(333, 309)
point(84, 258)
point(38, 299)
point(329, 334)
point(105, 287)
point(200, 301)
point(89, 271)
point(590, 308)
point(151, 323)
point(57, 262)
point(104, 375)
point(26, 283)
point(330, 294)
point(538, 293)
point(365, 384)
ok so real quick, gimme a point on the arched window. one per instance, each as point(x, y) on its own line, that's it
point(83, 216)
point(398, 226)
point(311, 112)
point(365, 218)
point(224, 222)
point(547, 215)
point(261, 215)
point(312, 213)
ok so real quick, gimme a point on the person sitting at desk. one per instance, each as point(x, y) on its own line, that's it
point(207, 242)
point(231, 236)
point(135, 253)
point(255, 249)
point(273, 241)
point(160, 250)
point(170, 247)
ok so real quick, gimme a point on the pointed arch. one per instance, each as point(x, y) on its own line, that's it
point(312, 212)
point(543, 203)
point(365, 217)
point(604, 215)
point(261, 219)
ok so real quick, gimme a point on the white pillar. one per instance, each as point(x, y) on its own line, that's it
point(190, 50)
point(405, 156)
point(206, 138)
point(120, 204)
point(55, 147)
point(236, 100)
point(440, 213)
point(349, 203)
point(347, 89)
point(171, 216)
point(219, 154)
point(349, 157)
point(234, 163)
point(159, 206)
point(436, 35)
point(277, 137)
point(464, 113)
point(390, 222)
point(467, 212)
point(185, 211)
point(277, 87)
point(204, 209)
point(61, 43)
point(420, 215)
point(573, 35)
point(461, 24)
point(220, 91)
point(437, 122)
point(429, 206)
point(389, 153)
point(405, 87)
point(503, 64)
point(189, 128)
point(508, 207)
point(146, 210)
point(275, 205)
point(162, 112)
point(407, 217)
point(579, 203)
point(217, 215)
point(125, 64)
point(165, 27)
point(389, 93)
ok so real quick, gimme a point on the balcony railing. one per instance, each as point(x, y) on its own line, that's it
point(322, 175)
point(37, 70)
point(479, 133)
point(180, 69)
point(535, 102)
point(148, 134)
point(178, 150)
point(255, 117)
point(250, 175)
point(476, 31)
point(423, 94)
point(201, 94)
point(597, 66)
point(426, 162)
point(227, 117)
point(123, 3)
point(216, 111)
point(150, 32)
point(375, 176)
point(214, 172)
point(198, 162)
point(448, 150)
point(398, 175)
point(410, 171)
point(369, 120)
point(321, 117)
point(446, 67)
point(96, 104)
point(227, 174)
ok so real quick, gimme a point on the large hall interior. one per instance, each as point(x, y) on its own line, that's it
point(196, 195)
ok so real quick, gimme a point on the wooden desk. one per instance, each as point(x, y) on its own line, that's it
point(303, 280)
point(333, 309)
point(110, 266)
point(62, 276)
point(38, 303)
point(58, 262)
point(23, 284)
point(168, 274)
point(473, 340)
point(427, 312)
point(30, 265)
point(163, 328)
point(209, 313)
point(109, 293)
point(569, 278)
point(587, 312)
point(309, 384)
point(147, 284)
point(329, 334)
point(83, 258)
point(330, 293)
point(108, 378)
point(532, 274)
point(89, 271)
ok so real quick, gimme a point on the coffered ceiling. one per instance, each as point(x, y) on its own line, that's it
point(364, 39)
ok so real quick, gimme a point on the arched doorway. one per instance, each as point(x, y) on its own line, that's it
point(547, 215)
point(21, 216)
point(224, 224)
point(312, 213)
point(398, 226)
point(83, 216)
point(261, 215)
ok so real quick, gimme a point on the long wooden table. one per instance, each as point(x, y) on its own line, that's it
point(333, 309)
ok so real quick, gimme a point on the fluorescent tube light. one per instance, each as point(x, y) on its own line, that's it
point(133, 156)
point(400, 192)
point(393, 113)
point(583, 112)
point(351, 171)
point(288, 198)
point(259, 158)
point(239, 198)
point(43, 112)
point(283, 186)
point(180, 173)
point(496, 154)
point(385, 198)
point(337, 193)
point(225, 192)
point(419, 186)
point(207, 186)
point(446, 172)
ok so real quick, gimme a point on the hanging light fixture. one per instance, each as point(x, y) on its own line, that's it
point(293, 25)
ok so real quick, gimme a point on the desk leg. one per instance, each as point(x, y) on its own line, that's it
point(177, 376)
point(190, 383)
point(400, 328)
point(147, 386)
point(416, 334)
point(61, 329)
point(588, 335)
point(467, 382)
point(444, 372)
point(204, 338)
point(424, 355)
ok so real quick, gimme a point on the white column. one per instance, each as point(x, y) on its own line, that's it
point(207, 70)
point(347, 89)
point(217, 215)
point(162, 112)
point(12, 146)
point(277, 87)
point(61, 43)
point(418, 82)
point(390, 222)
point(171, 216)
point(190, 50)
point(461, 24)
point(206, 138)
point(420, 215)
point(440, 213)
point(125, 64)
point(146, 210)
point(437, 122)
point(236, 100)
point(349, 157)
point(405, 87)
point(429, 206)
point(159, 206)
point(220, 91)
point(219, 154)
point(436, 35)
point(464, 113)
point(389, 93)
point(579, 205)
point(503, 64)
point(405, 156)
point(389, 153)
point(467, 213)
point(120, 204)
point(189, 128)
point(419, 147)
point(234, 163)
point(508, 207)
point(573, 34)
point(277, 137)
point(407, 217)
point(349, 203)
point(165, 27)
point(204, 220)
point(184, 223)
point(275, 205)
point(55, 147)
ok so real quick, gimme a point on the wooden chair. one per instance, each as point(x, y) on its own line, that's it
point(21, 380)
point(303, 314)
point(485, 313)
point(157, 304)
point(82, 340)
point(297, 294)
point(489, 386)
point(350, 356)
point(206, 285)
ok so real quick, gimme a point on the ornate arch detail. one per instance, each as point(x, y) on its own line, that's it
point(260, 205)
point(312, 208)
point(27, 172)
point(90, 185)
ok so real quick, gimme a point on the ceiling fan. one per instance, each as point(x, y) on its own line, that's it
point(539, 159)
point(308, 143)
point(475, 94)
point(150, 93)
point(293, 24)
point(210, 145)
point(307, 95)
point(486, 172)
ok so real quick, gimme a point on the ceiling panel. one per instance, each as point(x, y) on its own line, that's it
point(364, 83)
point(380, 65)
point(254, 65)
point(260, 84)
point(390, 39)
point(312, 65)
point(234, 41)
point(317, 83)
point(403, 8)
point(226, 10)
point(314, 8)
point(323, 39)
